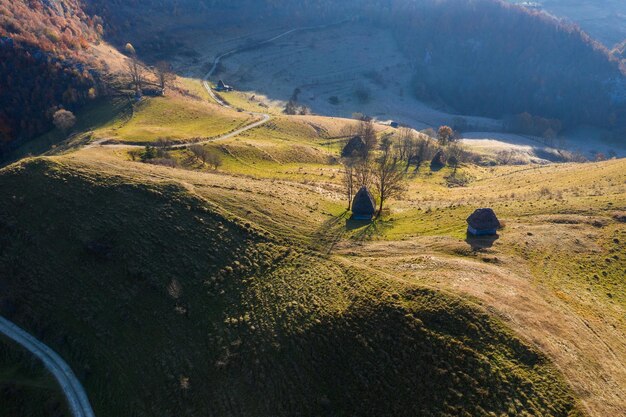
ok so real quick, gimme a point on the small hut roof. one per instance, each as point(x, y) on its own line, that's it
point(221, 84)
point(356, 145)
point(363, 203)
point(484, 219)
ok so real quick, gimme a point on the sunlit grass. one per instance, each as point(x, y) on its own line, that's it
point(173, 118)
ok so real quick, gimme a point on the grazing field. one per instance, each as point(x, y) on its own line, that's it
point(361, 66)
point(305, 244)
point(200, 284)
point(357, 68)
point(173, 118)
point(210, 312)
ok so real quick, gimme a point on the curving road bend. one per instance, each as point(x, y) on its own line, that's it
point(264, 117)
point(73, 390)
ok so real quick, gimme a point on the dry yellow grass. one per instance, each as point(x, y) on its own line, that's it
point(587, 346)
point(534, 277)
point(555, 275)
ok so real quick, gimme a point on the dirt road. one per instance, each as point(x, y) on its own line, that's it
point(264, 117)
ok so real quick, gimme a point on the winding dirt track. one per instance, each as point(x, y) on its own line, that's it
point(73, 390)
point(264, 117)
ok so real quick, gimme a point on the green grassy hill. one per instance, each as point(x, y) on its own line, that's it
point(175, 118)
point(167, 300)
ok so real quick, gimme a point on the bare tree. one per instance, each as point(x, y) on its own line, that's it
point(363, 173)
point(199, 152)
point(424, 151)
point(162, 147)
point(163, 143)
point(164, 73)
point(348, 131)
point(291, 108)
point(134, 69)
point(405, 142)
point(214, 159)
point(349, 177)
point(135, 72)
point(64, 120)
point(505, 156)
point(454, 163)
point(358, 167)
point(445, 134)
point(206, 156)
point(388, 176)
point(368, 133)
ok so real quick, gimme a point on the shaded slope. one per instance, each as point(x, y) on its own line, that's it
point(162, 303)
point(75, 394)
point(25, 386)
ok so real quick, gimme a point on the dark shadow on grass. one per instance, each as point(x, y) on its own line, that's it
point(331, 232)
point(479, 243)
point(390, 359)
point(352, 224)
point(365, 229)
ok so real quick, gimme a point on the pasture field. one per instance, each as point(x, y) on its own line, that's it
point(199, 285)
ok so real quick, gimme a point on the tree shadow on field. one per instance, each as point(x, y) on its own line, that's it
point(366, 229)
point(334, 229)
point(331, 232)
point(479, 243)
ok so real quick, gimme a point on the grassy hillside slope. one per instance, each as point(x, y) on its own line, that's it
point(164, 302)
point(174, 118)
point(555, 275)
point(26, 388)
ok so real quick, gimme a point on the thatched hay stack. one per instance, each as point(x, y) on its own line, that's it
point(483, 222)
point(355, 147)
point(439, 161)
point(363, 205)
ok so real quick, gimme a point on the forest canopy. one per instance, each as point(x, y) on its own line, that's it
point(43, 64)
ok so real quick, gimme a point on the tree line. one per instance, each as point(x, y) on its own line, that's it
point(43, 65)
point(385, 164)
point(488, 58)
point(141, 78)
point(34, 86)
point(160, 153)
